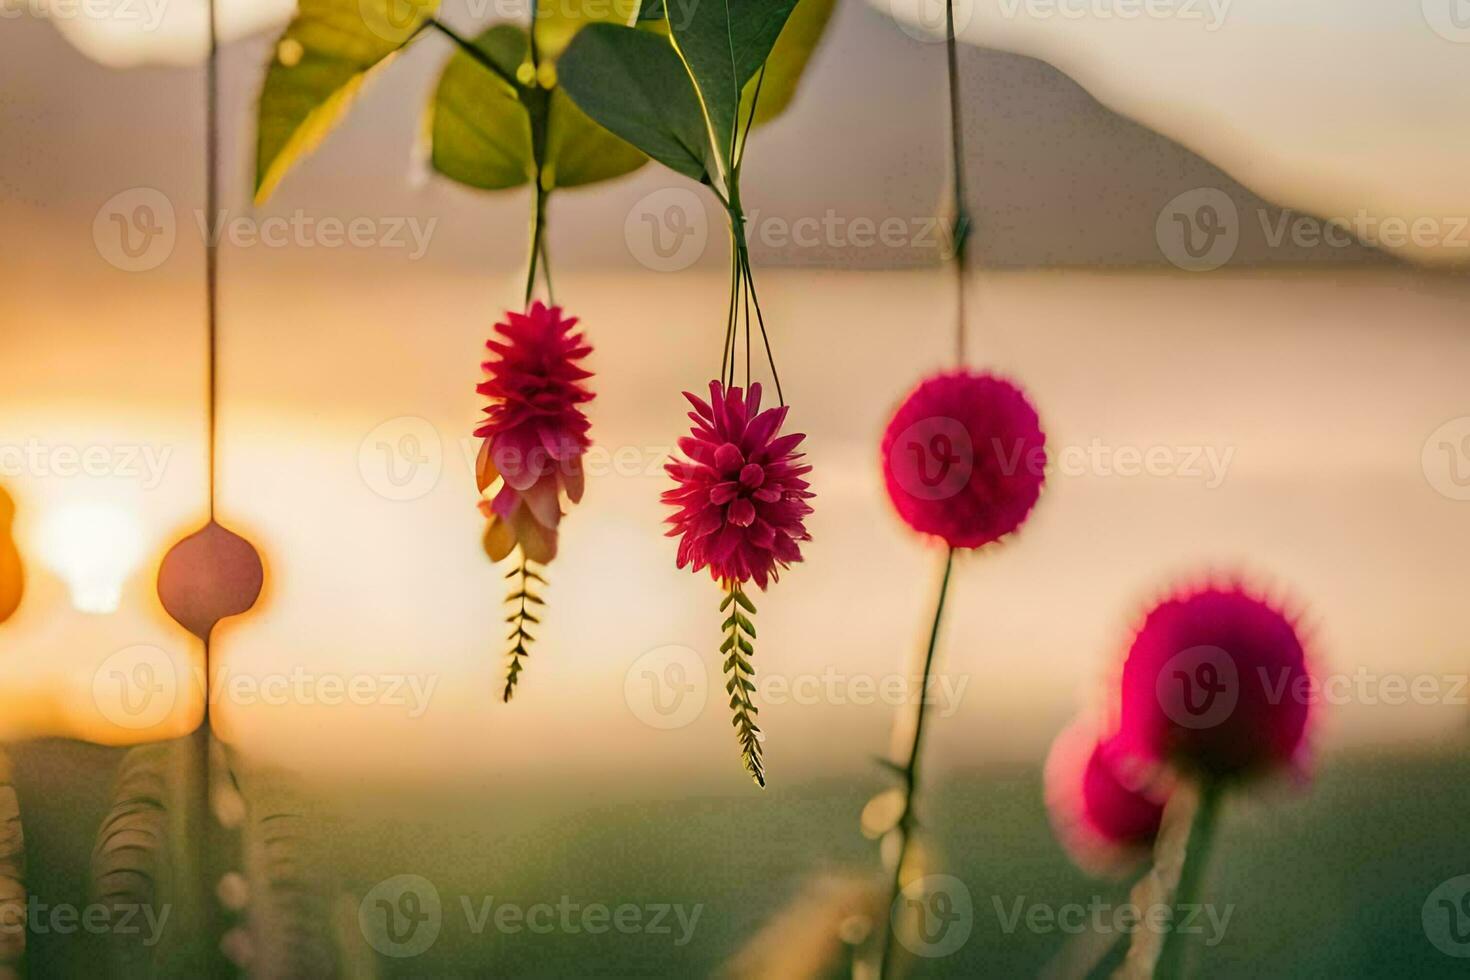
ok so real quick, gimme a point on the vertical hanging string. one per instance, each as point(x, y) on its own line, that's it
point(211, 239)
point(538, 253)
point(909, 769)
point(961, 231)
point(211, 280)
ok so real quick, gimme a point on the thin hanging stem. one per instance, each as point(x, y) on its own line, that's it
point(746, 295)
point(1191, 876)
point(761, 320)
point(727, 350)
point(468, 48)
point(546, 271)
point(211, 245)
point(538, 240)
point(961, 230)
point(910, 771)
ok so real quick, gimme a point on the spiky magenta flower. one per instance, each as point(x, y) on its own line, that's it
point(964, 458)
point(1106, 826)
point(534, 428)
point(1216, 685)
point(741, 498)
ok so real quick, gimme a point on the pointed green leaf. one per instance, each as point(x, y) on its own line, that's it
point(479, 130)
point(318, 66)
point(745, 602)
point(633, 84)
point(724, 43)
point(788, 60)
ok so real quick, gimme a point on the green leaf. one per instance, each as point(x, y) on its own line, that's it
point(319, 66)
point(479, 130)
point(633, 83)
point(724, 45)
point(788, 60)
point(558, 21)
point(580, 152)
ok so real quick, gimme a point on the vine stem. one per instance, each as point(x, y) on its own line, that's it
point(960, 233)
point(1191, 876)
point(910, 771)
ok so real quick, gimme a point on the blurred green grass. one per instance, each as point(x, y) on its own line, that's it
point(1328, 880)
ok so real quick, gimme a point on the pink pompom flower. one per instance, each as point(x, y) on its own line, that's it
point(741, 495)
point(1216, 685)
point(1106, 826)
point(534, 428)
point(964, 458)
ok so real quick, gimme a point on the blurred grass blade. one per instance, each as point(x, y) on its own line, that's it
point(12, 877)
point(131, 862)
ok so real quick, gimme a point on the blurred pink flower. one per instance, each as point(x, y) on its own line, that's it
point(1215, 685)
point(740, 500)
point(964, 458)
point(1105, 826)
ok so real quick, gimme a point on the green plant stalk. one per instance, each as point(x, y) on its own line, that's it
point(909, 774)
point(1172, 953)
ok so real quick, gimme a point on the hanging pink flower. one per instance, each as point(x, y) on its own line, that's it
point(1105, 826)
point(534, 429)
point(1216, 684)
point(964, 458)
point(741, 499)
